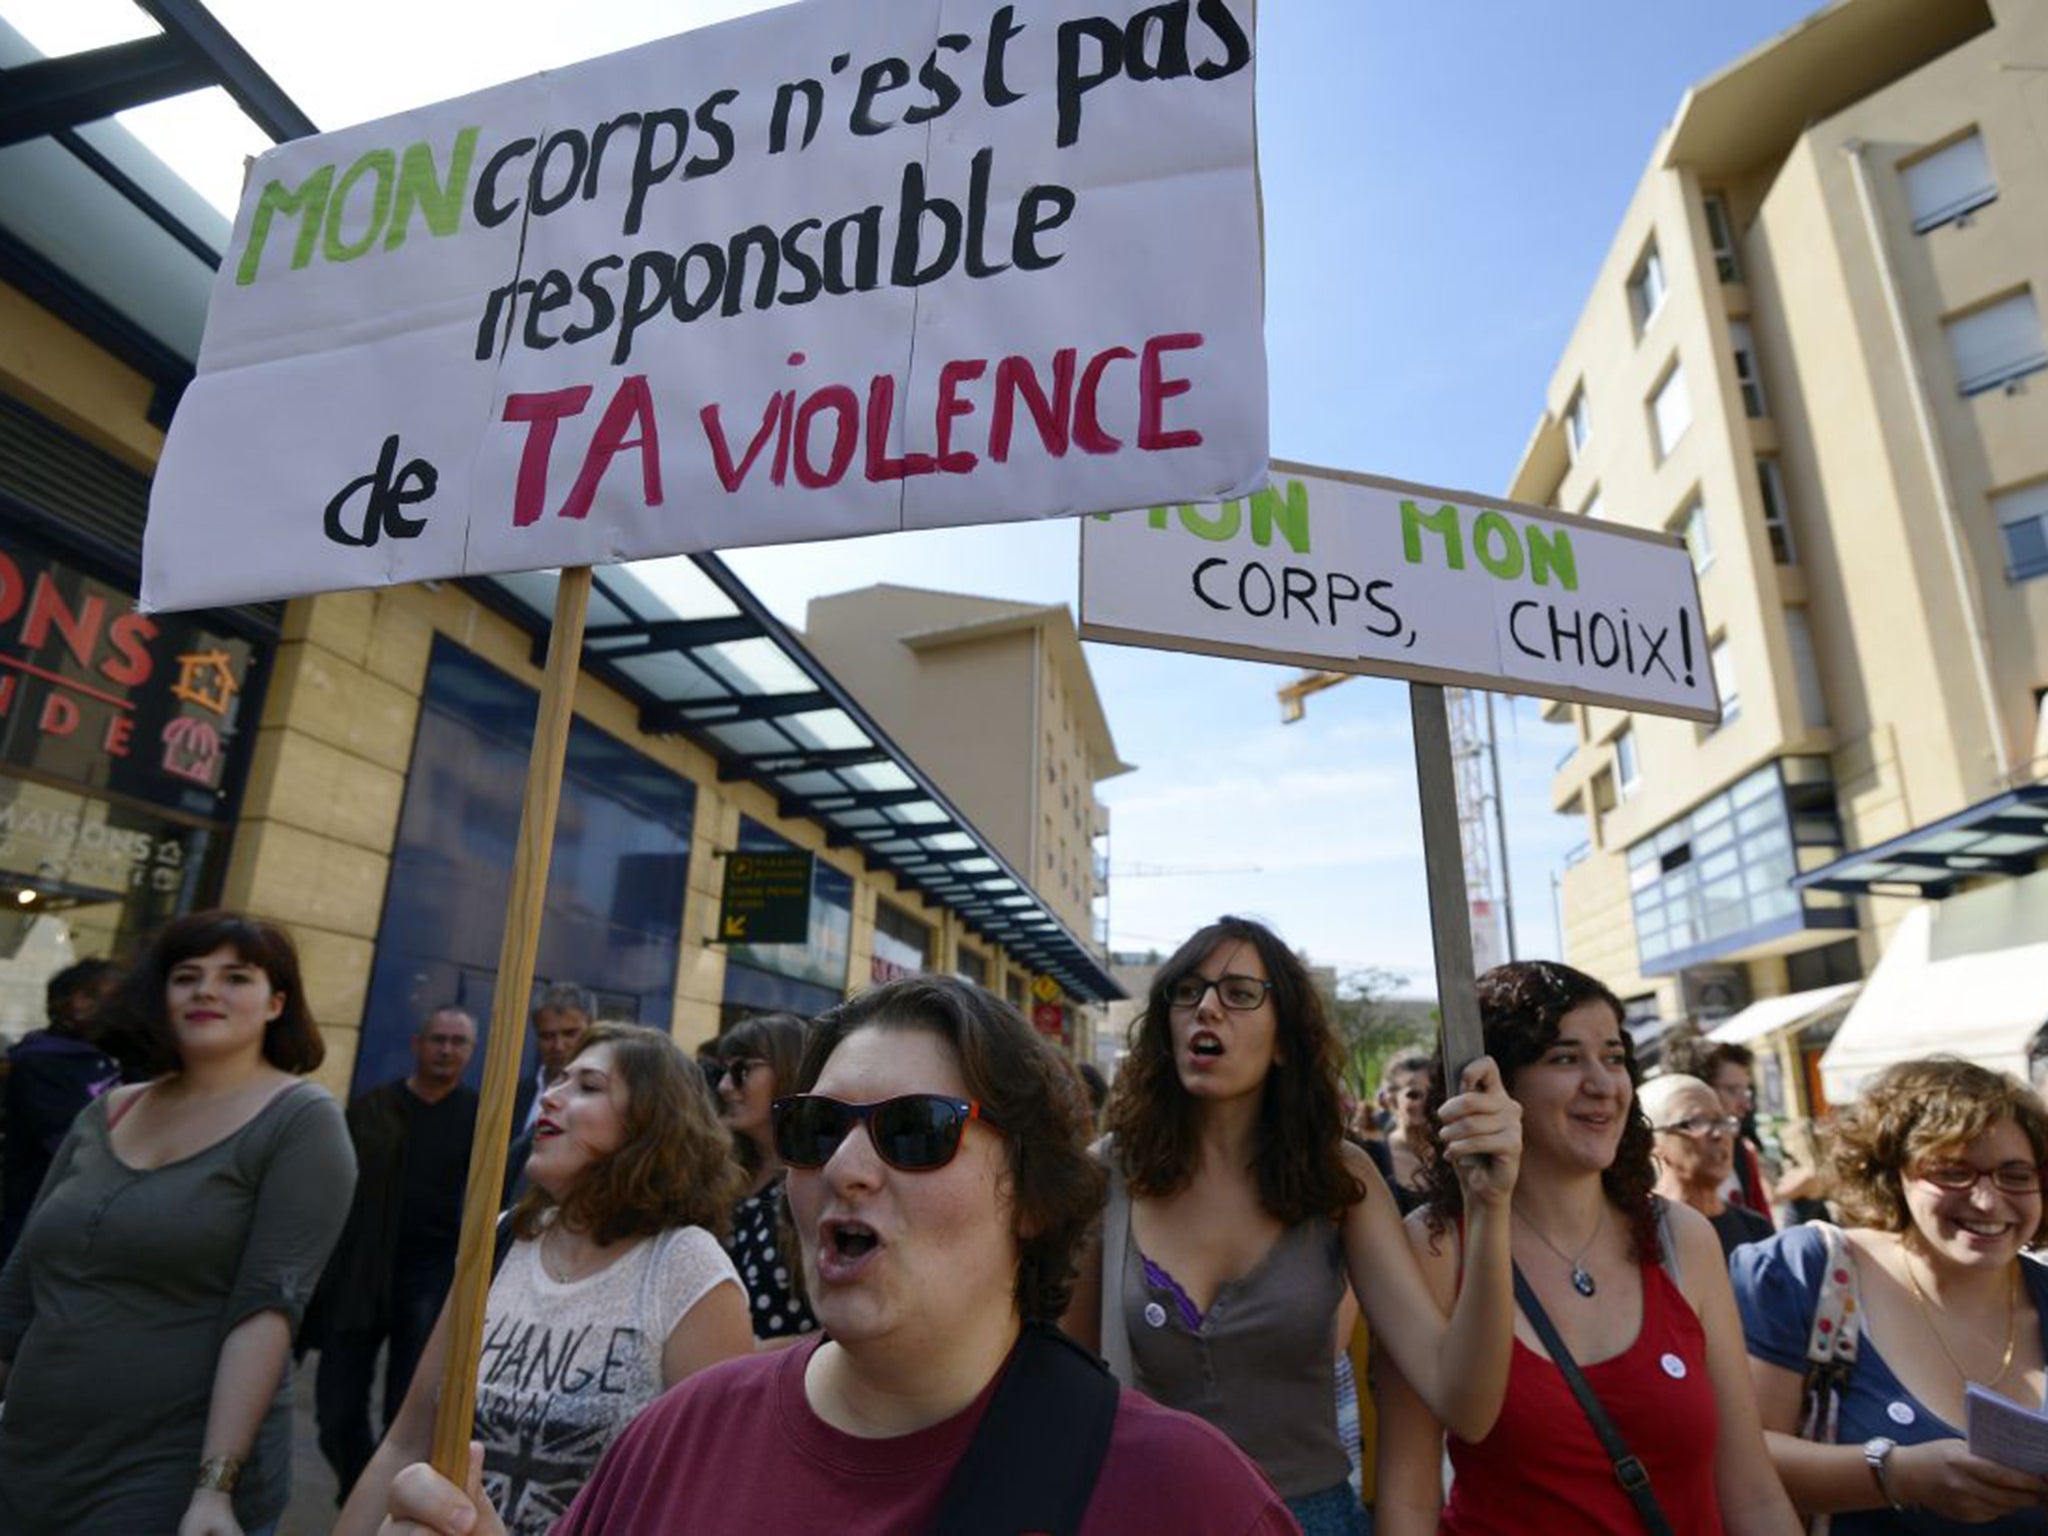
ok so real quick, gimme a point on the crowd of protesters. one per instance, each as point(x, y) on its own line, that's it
point(901, 1268)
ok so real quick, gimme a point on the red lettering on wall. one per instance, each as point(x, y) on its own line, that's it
point(81, 630)
point(130, 635)
point(59, 717)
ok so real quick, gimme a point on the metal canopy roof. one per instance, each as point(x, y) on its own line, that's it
point(97, 230)
point(706, 660)
point(2005, 835)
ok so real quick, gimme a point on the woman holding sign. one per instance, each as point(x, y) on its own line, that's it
point(1628, 1404)
point(614, 1287)
point(1938, 1168)
point(146, 1318)
point(1238, 1214)
point(941, 1186)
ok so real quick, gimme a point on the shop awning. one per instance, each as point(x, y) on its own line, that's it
point(703, 658)
point(2004, 835)
point(1775, 1013)
point(1930, 997)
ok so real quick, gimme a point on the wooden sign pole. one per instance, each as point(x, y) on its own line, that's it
point(1443, 860)
point(454, 1416)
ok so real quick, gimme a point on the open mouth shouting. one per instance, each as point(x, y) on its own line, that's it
point(845, 1247)
point(1205, 1045)
point(544, 1128)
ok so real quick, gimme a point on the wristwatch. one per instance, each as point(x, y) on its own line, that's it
point(220, 1473)
point(1877, 1455)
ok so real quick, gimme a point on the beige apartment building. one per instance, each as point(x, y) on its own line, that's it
point(994, 698)
point(1814, 351)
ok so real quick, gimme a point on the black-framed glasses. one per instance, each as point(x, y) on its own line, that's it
point(716, 1072)
point(1233, 991)
point(1704, 1125)
point(2007, 1178)
point(916, 1132)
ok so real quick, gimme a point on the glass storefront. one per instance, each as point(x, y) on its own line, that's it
point(122, 750)
point(903, 945)
point(616, 883)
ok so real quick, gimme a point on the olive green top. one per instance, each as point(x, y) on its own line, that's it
point(114, 1305)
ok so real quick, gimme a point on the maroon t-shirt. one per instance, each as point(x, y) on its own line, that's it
point(737, 1448)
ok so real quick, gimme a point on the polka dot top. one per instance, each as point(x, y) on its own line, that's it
point(778, 1311)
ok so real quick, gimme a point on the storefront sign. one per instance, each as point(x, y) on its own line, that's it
point(767, 898)
point(95, 694)
point(1351, 573)
point(843, 267)
point(1049, 1019)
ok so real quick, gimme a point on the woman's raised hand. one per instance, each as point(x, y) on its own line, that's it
point(424, 1503)
point(1481, 1132)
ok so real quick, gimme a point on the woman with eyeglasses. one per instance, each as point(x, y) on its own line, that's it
point(941, 1185)
point(615, 1286)
point(1695, 1148)
point(1937, 1169)
point(1239, 1214)
point(757, 1060)
point(1634, 1290)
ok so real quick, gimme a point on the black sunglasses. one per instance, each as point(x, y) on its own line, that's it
point(715, 1072)
point(916, 1132)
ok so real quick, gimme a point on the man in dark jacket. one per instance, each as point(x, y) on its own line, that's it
point(52, 1075)
point(391, 1270)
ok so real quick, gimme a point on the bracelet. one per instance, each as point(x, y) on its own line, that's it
point(1877, 1455)
point(220, 1473)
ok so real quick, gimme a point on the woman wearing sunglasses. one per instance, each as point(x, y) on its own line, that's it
point(757, 1061)
point(615, 1286)
point(1239, 1214)
point(1695, 1151)
point(1938, 1171)
point(941, 1187)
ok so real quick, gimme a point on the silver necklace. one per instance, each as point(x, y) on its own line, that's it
point(1582, 1278)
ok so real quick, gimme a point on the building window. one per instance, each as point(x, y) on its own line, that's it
point(2023, 520)
point(1670, 411)
point(1628, 775)
point(1943, 186)
point(1577, 428)
point(1997, 343)
point(1692, 527)
point(1777, 526)
point(1725, 683)
point(902, 944)
point(1721, 236)
point(1646, 288)
point(1748, 378)
point(1813, 700)
point(1591, 505)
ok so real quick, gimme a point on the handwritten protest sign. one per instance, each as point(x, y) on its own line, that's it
point(844, 267)
point(1352, 573)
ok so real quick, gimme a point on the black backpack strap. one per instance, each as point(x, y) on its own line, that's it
point(1039, 1448)
point(1633, 1476)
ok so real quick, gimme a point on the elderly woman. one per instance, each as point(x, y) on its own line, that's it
point(1695, 1148)
point(146, 1318)
point(614, 1289)
point(1633, 1289)
point(755, 1063)
point(1938, 1170)
point(1240, 1217)
point(941, 1186)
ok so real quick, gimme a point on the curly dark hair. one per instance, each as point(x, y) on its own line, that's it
point(1911, 1111)
point(136, 1014)
point(1298, 1158)
point(776, 1038)
point(674, 1167)
point(1521, 1005)
point(1027, 1087)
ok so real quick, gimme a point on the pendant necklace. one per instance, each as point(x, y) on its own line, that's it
point(1582, 1278)
point(2012, 1320)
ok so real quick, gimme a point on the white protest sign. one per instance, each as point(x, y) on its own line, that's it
point(1352, 573)
point(845, 267)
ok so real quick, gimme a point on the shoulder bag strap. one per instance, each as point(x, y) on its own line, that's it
point(1114, 1339)
point(1830, 1349)
point(1633, 1476)
point(1035, 1457)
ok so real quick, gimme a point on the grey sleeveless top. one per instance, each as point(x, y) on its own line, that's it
point(1261, 1365)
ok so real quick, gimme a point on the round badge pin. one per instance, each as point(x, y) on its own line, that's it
point(1673, 1367)
point(1155, 1315)
point(1900, 1413)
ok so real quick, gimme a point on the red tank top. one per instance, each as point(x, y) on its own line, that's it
point(1542, 1468)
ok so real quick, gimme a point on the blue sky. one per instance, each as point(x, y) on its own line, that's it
point(1441, 181)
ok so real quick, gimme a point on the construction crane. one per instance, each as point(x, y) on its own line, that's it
point(1473, 758)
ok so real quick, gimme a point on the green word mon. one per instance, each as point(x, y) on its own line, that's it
point(1502, 549)
point(342, 214)
point(1271, 512)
